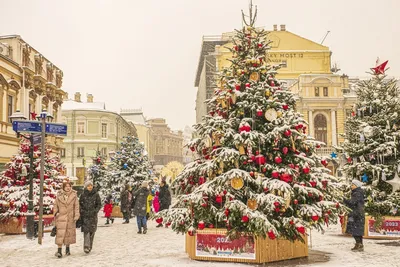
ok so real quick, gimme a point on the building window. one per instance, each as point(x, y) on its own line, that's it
point(104, 130)
point(104, 151)
point(81, 151)
point(80, 128)
point(325, 91)
point(62, 153)
point(316, 89)
point(10, 106)
point(321, 128)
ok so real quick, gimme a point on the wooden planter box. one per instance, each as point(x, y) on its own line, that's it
point(15, 225)
point(212, 245)
point(390, 228)
point(116, 213)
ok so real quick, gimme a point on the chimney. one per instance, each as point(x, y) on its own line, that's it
point(89, 98)
point(275, 27)
point(283, 27)
point(78, 97)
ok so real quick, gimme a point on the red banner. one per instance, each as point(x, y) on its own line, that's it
point(390, 227)
point(218, 245)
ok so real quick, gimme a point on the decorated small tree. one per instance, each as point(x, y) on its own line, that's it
point(14, 182)
point(97, 170)
point(371, 148)
point(130, 165)
point(256, 170)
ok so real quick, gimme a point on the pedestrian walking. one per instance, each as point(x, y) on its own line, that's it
point(90, 205)
point(150, 198)
point(108, 208)
point(141, 207)
point(156, 202)
point(66, 212)
point(164, 198)
point(356, 218)
point(126, 201)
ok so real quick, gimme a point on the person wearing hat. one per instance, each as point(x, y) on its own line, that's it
point(140, 208)
point(66, 212)
point(90, 205)
point(356, 218)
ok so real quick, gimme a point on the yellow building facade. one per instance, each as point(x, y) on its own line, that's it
point(323, 97)
point(29, 82)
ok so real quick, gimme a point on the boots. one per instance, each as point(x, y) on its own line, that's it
point(108, 221)
point(67, 251)
point(359, 247)
point(145, 229)
point(112, 220)
point(140, 230)
point(59, 253)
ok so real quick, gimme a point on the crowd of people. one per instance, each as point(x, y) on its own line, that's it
point(72, 212)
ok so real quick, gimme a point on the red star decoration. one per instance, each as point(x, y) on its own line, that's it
point(380, 69)
point(33, 115)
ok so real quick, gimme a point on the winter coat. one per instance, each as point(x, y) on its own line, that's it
point(141, 201)
point(156, 204)
point(164, 197)
point(126, 200)
point(108, 208)
point(90, 205)
point(356, 218)
point(149, 201)
point(66, 213)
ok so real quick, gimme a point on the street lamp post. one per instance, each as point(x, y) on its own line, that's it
point(19, 116)
point(43, 116)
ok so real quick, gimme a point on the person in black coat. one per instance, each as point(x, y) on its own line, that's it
point(164, 197)
point(140, 208)
point(126, 202)
point(90, 205)
point(356, 218)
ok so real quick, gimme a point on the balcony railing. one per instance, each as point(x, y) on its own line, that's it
point(324, 151)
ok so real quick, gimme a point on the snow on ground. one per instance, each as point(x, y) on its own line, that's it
point(120, 245)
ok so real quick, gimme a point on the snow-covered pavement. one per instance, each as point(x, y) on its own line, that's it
point(120, 245)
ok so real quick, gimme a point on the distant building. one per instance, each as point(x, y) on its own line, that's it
point(29, 82)
point(91, 128)
point(168, 144)
point(144, 130)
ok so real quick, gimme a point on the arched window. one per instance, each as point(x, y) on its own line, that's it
point(320, 128)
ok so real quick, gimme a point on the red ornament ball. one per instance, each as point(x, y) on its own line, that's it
point(226, 212)
point(245, 218)
point(211, 225)
point(315, 218)
point(260, 113)
point(159, 220)
point(275, 174)
point(201, 225)
point(306, 170)
point(301, 229)
point(271, 235)
point(278, 160)
point(218, 199)
point(247, 85)
point(237, 87)
point(251, 174)
point(295, 202)
point(285, 150)
point(285, 107)
point(288, 133)
point(324, 162)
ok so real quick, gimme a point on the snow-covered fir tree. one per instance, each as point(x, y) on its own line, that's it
point(130, 165)
point(14, 182)
point(97, 170)
point(371, 147)
point(256, 170)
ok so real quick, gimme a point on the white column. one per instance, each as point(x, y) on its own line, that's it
point(38, 105)
point(333, 125)
point(310, 123)
point(58, 119)
point(50, 108)
point(20, 100)
point(5, 105)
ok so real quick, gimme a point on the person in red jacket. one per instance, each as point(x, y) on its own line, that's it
point(108, 207)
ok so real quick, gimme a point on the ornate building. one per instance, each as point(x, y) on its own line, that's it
point(323, 97)
point(29, 82)
point(168, 144)
point(91, 128)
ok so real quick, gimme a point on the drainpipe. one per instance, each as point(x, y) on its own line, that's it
point(73, 143)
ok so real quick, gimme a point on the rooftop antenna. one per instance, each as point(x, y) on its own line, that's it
point(252, 18)
point(325, 36)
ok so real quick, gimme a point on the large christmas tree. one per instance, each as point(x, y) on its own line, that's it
point(97, 170)
point(372, 146)
point(14, 182)
point(130, 165)
point(256, 170)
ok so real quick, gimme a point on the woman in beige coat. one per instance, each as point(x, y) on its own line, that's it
point(66, 212)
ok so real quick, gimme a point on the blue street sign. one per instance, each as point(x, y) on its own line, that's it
point(27, 126)
point(37, 139)
point(56, 128)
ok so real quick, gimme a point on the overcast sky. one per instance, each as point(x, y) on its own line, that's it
point(132, 54)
